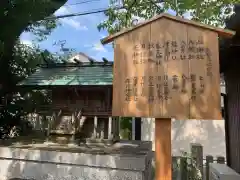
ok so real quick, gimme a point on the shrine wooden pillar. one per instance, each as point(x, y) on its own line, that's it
point(230, 66)
point(115, 127)
point(232, 123)
point(136, 128)
point(110, 133)
point(95, 126)
point(133, 128)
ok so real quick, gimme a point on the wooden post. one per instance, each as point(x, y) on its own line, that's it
point(50, 125)
point(220, 160)
point(110, 128)
point(133, 128)
point(209, 159)
point(163, 150)
point(175, 165)
point(197, 155)
point(95, 127)
point(116, 128)
point(73, 119)
point(183, 168)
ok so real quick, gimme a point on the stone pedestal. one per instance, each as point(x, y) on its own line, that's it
point(124, 160)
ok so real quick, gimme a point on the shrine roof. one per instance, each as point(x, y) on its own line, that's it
point(220, 31)
point(71, 74)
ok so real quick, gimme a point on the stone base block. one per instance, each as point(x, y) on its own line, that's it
point(126, 160)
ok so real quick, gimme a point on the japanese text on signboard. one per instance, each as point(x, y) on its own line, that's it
point(164, 52)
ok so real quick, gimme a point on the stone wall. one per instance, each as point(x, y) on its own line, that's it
point(126, 163)
point(209, 133)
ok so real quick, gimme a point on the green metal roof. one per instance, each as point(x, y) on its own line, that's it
point(69, 75)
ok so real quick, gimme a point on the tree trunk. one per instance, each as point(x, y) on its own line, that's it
point(232, 79)
point(6, 81)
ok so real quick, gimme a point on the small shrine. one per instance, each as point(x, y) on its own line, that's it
point(81, 101)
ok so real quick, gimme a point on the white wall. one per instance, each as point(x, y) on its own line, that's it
point(79, 57)
point(209, 133)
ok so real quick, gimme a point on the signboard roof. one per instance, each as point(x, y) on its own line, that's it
point(167, 69)
point(220, 31)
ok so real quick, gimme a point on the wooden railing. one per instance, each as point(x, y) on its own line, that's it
point(70, 109)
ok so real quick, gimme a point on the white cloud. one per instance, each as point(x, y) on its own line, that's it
point(70, 21)
point(96, 47)
point(27, 42)
point(187, 15)
point(62, 10)
point(138, 19)
point(102, 36)
point(74, 23)
point(99, 47)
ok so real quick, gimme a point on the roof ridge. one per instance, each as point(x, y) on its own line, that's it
point(82, 64)
point(224, 32)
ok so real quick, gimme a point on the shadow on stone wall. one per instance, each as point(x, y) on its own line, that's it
point(41, 165)
point(209, 133)
point(20, 179)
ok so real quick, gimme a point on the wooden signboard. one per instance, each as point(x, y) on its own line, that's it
point(167, 67)
point(164, 68)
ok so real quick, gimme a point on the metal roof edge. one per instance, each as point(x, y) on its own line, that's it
point(82, 64)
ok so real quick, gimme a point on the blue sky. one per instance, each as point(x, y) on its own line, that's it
point(80, 32)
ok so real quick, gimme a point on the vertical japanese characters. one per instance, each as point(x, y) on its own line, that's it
point(159, 87)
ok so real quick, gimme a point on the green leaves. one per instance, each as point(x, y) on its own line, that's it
point(209, 12)
point(126, 123)
point(18, 60)
point(131, 10)
point(41, 29)
point(22, 15)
